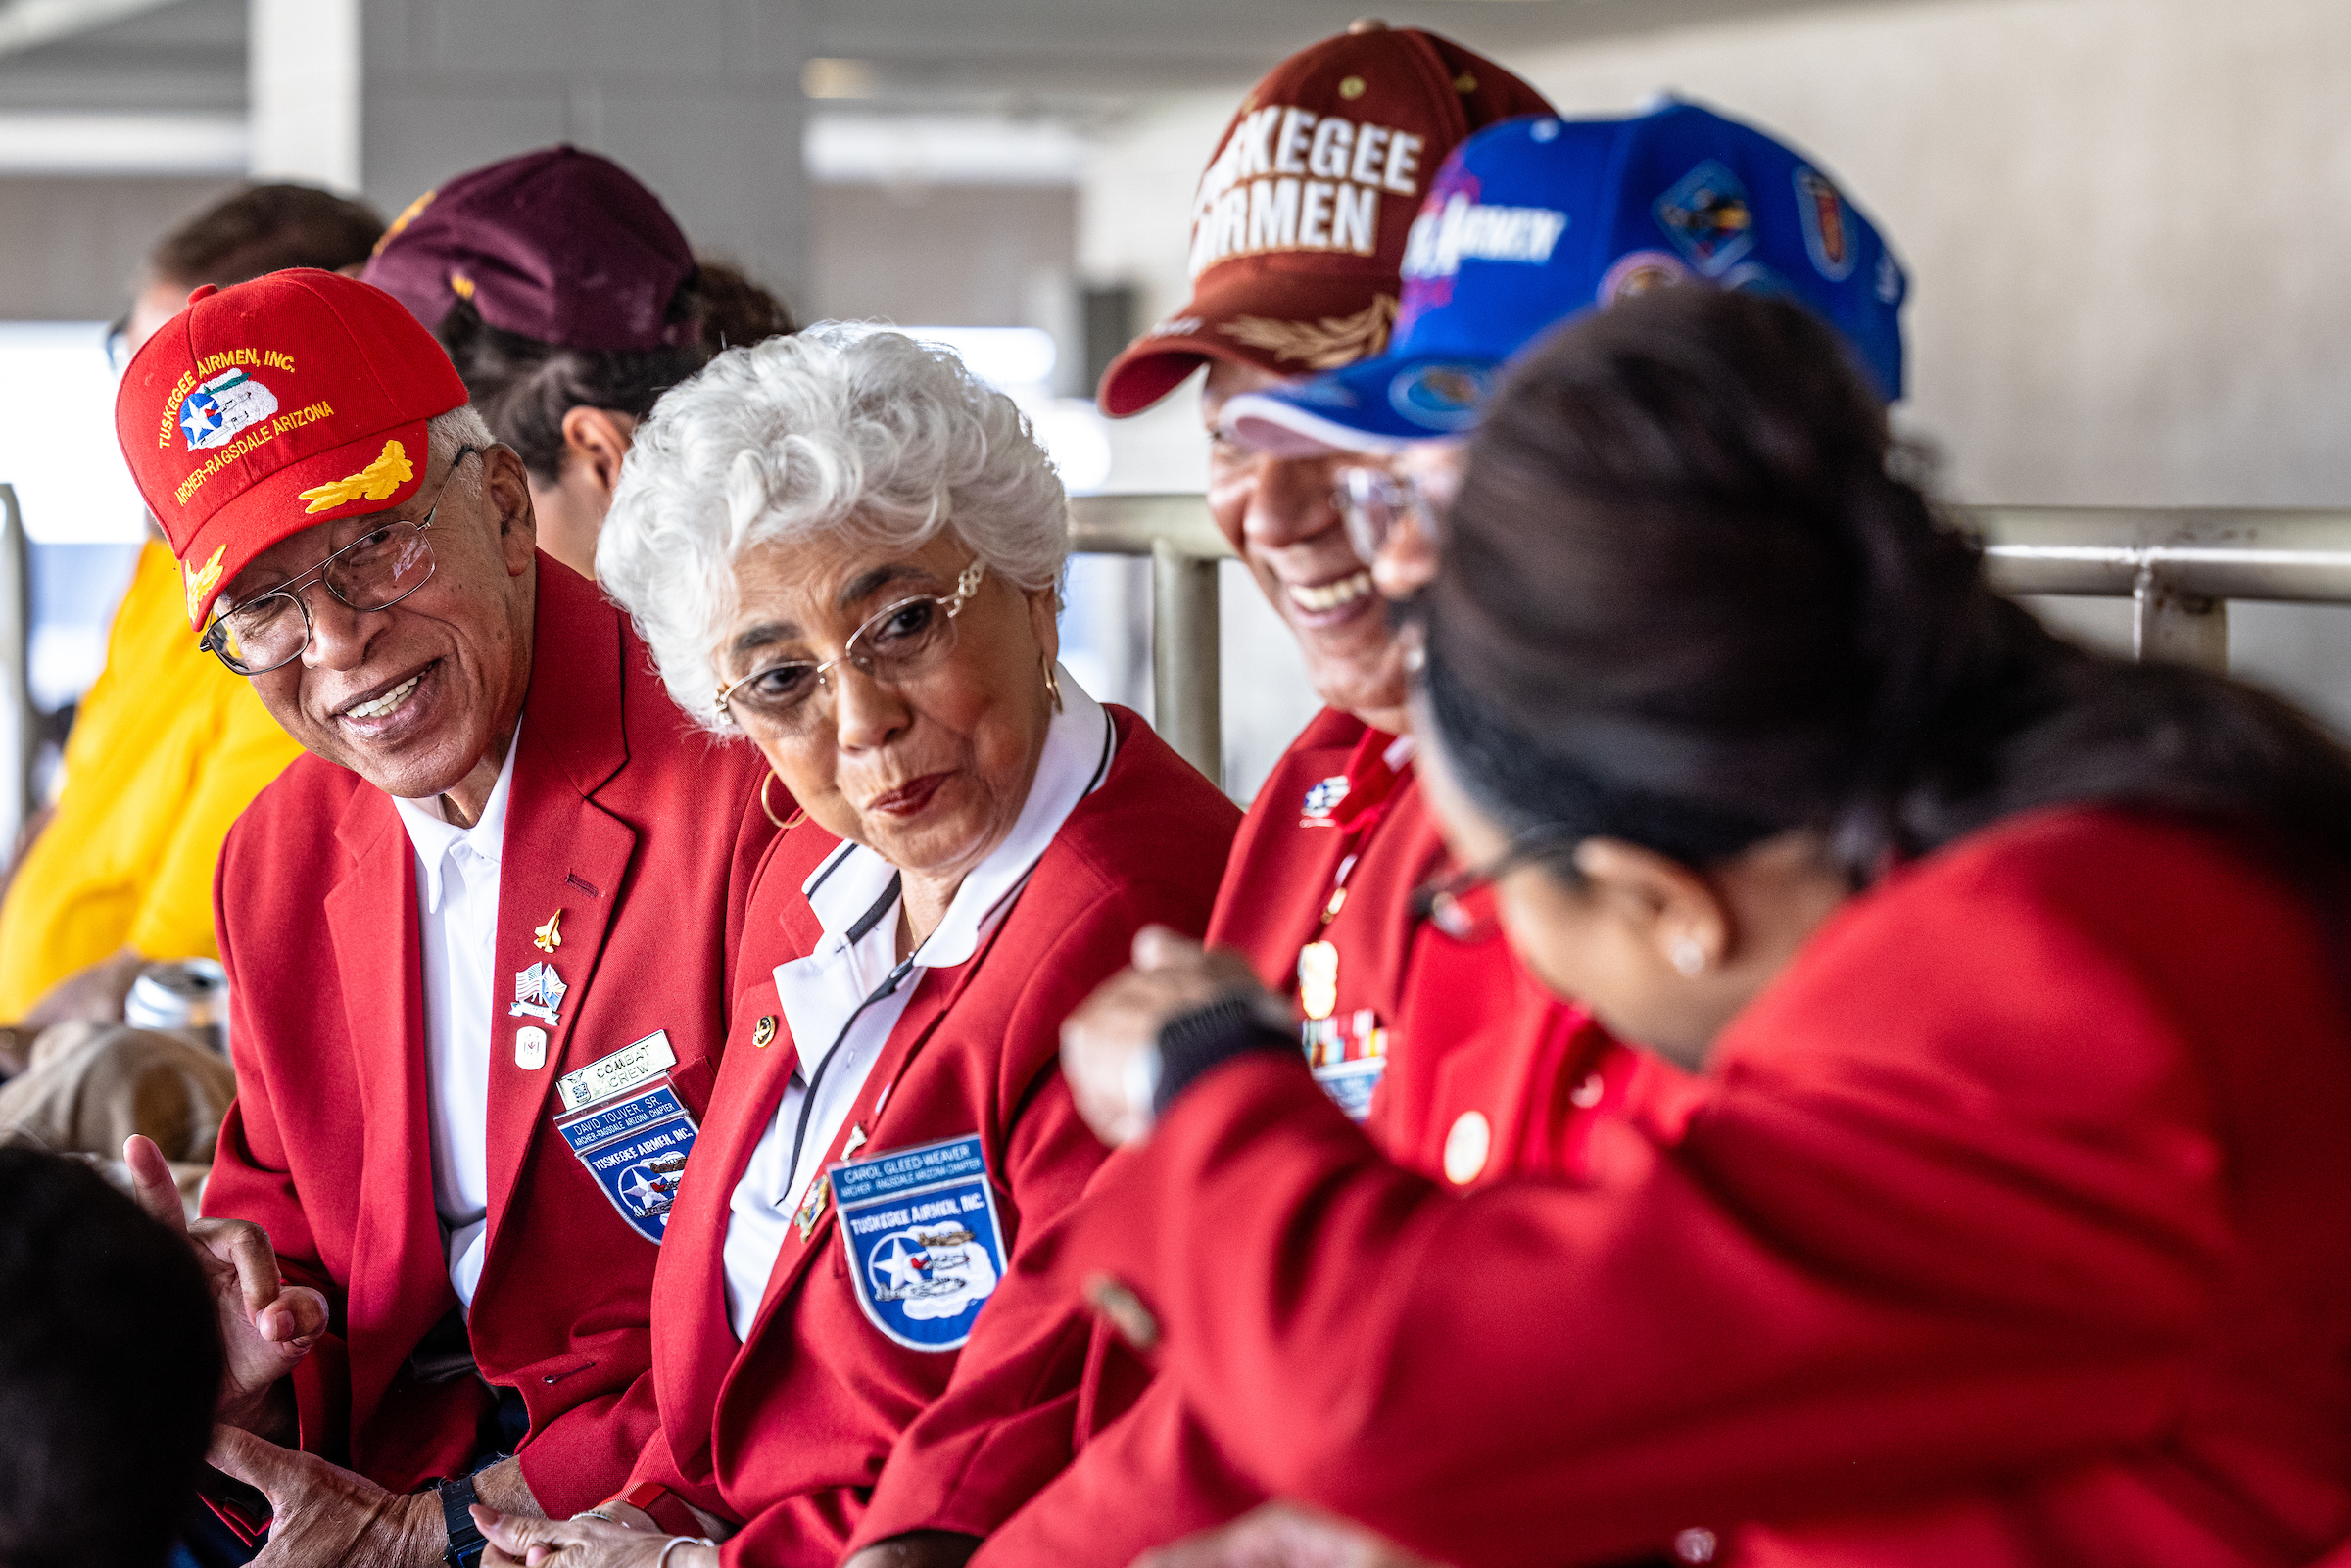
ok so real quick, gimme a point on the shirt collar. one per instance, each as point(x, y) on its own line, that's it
point(1075, 761)
point(435, 839)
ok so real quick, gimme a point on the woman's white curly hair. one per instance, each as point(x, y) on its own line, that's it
point(842, 430)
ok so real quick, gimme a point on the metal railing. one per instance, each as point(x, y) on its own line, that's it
point(2178, 566)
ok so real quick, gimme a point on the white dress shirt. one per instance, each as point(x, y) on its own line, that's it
point(841, 1006)
point(456, 915)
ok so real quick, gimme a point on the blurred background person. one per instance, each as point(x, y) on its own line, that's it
point(166, 748)
point(108, 1361)
point(984, 841)
point(2015, 973)
point(569, 302)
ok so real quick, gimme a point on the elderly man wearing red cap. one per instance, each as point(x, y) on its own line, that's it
point(478, 940)
point(1299, 232)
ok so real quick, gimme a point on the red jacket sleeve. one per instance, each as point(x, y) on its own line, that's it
point(251, 1180)
point(1926, 1232)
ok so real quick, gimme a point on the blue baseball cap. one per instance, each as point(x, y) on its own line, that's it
point(1535, 219)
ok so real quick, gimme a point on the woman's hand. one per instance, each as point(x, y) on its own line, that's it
point(266, 1325)
point(519, 1542)
point(1283, 1535)
point(1110, 1046)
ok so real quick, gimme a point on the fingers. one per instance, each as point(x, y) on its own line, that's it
point(532, 1542)
point(245, 1248)
point(1158, 947)
point(255, 1461)
point(295, 1320)
point(151, 1180)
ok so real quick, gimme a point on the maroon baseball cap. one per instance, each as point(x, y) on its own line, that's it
point(1299, 223)
point(559, 245)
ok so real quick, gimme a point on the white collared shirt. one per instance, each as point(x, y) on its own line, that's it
point(834, 999)
point(457, 915)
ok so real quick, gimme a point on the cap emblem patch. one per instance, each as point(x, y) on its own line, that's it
point(1638, 272)
point(375, 482)
point(1822, 210)
point(213, 414)
point(1439, 396)
point(1321, 345)
point(1708, 217)
point(201, 581)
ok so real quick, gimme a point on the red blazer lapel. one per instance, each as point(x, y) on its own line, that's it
point(923, 1013)
point(564, 853)
point(399, 1266)
point(696, 1346)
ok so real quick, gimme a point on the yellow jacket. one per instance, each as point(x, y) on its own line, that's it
point(167, 749)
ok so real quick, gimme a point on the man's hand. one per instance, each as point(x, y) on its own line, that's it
point(918, 1548)
point(517, 1542)
point(1283, 1535)
point(266, 1324)
point(321, 1515)
point(1109, 1042)
point(93, 995)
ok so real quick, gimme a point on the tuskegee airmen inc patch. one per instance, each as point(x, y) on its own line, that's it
point(635, 1149)
point(925, 1250)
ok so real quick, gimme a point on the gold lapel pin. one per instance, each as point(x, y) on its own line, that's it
point(549, 936)
point(763, 1034)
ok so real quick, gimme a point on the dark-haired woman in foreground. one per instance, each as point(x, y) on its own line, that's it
point(2011, 1228)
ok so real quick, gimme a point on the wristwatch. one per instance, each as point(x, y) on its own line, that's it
point(465, 1542)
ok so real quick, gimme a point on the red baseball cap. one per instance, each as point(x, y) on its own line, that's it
point(1299, 223)
point(263, 408)
point(559, 245)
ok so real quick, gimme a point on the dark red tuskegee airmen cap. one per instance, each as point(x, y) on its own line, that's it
point(559, 245)
point(263, 408)
point(1299, 223)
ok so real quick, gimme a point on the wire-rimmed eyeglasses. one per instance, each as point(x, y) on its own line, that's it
point(374, 572)
point(897, 644)
point(1444, 900)
point(1372, 501)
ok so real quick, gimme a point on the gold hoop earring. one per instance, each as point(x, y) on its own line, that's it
point(1052, 686)
point(797, 817)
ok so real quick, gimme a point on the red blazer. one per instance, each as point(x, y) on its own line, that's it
point(787, 1432)
point(1470, 1034)
point(646, 835)
point(2009, 1233)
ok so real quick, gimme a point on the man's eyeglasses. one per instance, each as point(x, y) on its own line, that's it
point(1445, 901)
point(374, 572)
point(1373, 501)
point(897, 644)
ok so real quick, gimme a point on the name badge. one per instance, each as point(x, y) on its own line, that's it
point(924, 1245)
point(617, 1073)
point(636, 1150)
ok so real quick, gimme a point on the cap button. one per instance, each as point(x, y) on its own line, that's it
point(1362, 24)
point(203, 291)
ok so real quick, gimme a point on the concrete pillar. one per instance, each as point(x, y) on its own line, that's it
point(302, 60)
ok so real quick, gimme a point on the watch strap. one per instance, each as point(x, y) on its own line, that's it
point(465, 1542)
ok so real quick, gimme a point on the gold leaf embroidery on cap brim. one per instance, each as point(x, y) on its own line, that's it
point(201, 580)
point(375, 482)
point(1324, 345)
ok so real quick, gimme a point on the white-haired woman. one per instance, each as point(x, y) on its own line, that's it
point(844, 550)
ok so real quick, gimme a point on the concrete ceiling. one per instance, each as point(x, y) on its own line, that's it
point(186, 55)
